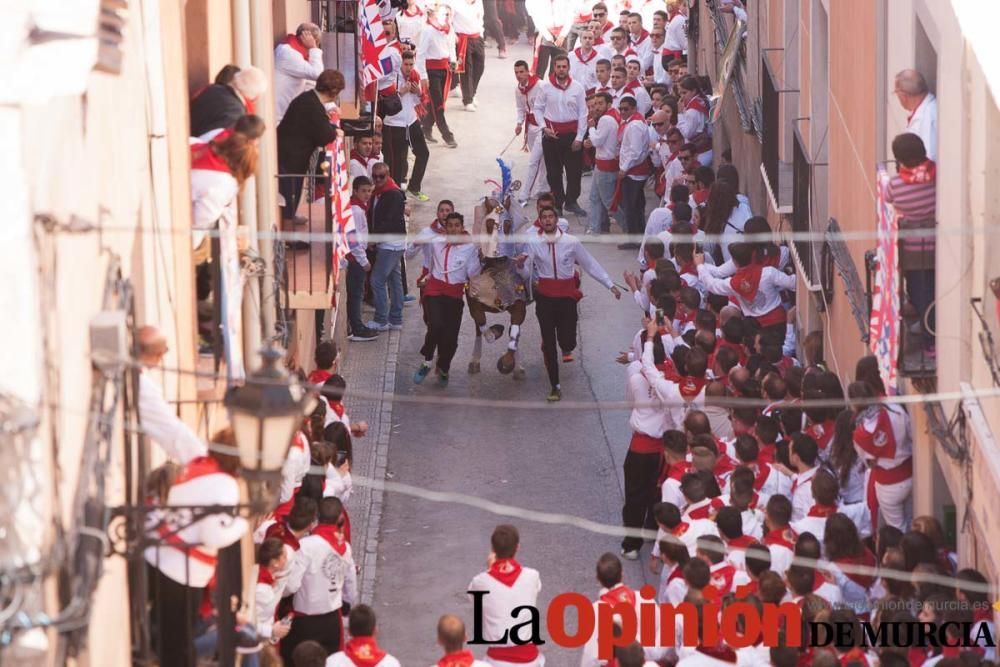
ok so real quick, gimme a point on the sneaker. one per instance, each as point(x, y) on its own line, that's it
point(630, 555)
point(419, 196)
point(429, 138)
point(396, 327)
point(502, 55)
point(567, 358)
point(363, 335)
point(375, 326)
point(442, 378)
point(471, 106)
point(555, 395)
point(421, 374)
point(408, 298)
point(450, 141)
point(575, 208)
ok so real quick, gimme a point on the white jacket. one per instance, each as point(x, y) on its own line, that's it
point(293, 75)
point(327, 581)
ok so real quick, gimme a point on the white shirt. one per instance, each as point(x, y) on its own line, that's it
point(292, 75)
point(208, 534)
point(524, 104)
point(407, 116)
point(802, 498)
point(923, 123)
point(668, 391)
point(362, 167)
point(454, 263)
point(163, 426)
point(675, 37)
point(213, 198)
point(468, 16)
point(589, 657)
point(563, 106)
point(434, 44)
point(634, 148)
point(410, 25)
point(359, 243)
point(648, 416)
point(266, 598)
point(688, 532)
point(584, 68)
point(296, 467)
point(552, 18)
point(768, 296)
point(557, 256)
point(604, 136)
point(327, 581)
point(691, 122)
point(502, 599)
point(643, 47)
point(643, 101)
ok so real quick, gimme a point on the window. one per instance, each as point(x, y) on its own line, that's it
point(801, 182)
point(771, 129)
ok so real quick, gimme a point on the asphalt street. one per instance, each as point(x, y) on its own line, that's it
point(550, 459)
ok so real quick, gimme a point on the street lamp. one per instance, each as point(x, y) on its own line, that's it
point(265, 413)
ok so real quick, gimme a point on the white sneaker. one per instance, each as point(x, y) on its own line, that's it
point(470, 107)
point(396, 327)
point(375, 326)
point(630, 555)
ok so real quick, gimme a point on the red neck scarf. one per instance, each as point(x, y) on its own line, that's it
point(784, 537)
point(333, 536)
point(337, 407)
point(622, 125)
point(460, 659)
point(680, 529)
point(822, 511)
point(437, 228)
point(387, 185)
point(697, 103)
point(741, 543)
point(432, 20)
point(639, 40)
point(413, 11)
point(281, 530)
point(364, 651)
point(293, 41)
point(925, 172)
point(198, 467)
point(505, 570)
point(746, 281)
point(688, 267)
point(866, 559)
point(632, 86)
point(360, 204)
point(264, 576)
point(555, 82)
point(690, 387)
point(525, 88)
point(620, 594)
point(720, 652)
point(203, 157)
point(356, 155)
point(579, 55)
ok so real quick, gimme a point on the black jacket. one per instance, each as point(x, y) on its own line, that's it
point(387, 216)
point(304, 128)
point(217, 107)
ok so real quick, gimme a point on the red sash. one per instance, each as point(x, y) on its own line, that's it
point(559, 288)
point(562, 127)
point(364, 651)
point(645, 444)
point(462, 50)
point(505, 570)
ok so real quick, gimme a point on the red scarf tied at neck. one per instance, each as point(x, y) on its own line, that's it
point(746, 281)
point(505, 570)
point(297, 46)
point(555, 82)
point(459, 659)
point(387, 185)
point(364, 651)
point(925, 172)
point(525, 88)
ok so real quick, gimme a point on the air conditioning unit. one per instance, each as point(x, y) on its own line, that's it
point(109, 348)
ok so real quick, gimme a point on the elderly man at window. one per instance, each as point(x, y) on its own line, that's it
point(156, 418)
point(298, 61)
point(921, 105)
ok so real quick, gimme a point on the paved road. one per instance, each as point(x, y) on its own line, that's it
point(549, 459)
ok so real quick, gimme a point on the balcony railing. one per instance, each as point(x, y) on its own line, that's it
point(306, 282)
point(916, 295)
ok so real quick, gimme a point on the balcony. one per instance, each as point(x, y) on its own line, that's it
point(916, 297)
point(307, 280)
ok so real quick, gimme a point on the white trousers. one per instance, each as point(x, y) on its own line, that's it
point(895, 503)
point(536, 181)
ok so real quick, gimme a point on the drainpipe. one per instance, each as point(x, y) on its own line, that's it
point(262, 56)
point(248, 197)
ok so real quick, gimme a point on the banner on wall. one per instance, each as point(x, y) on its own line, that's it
point(884, 328)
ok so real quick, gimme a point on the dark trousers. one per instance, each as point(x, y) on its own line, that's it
point(475, 65)
point(545, 53)
point(327, 629)
point(437, 80)
point(443, 315)
point(557, 319)
point(174, 615)
point(559, 157)
point(634, 205)
point(290, 188)
point(355, 296)
point(492, 25)
point(641, 472)
point(396, 147)
point(920, 290)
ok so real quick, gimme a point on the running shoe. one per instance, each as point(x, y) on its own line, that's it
point(419, 196)
point(421, 374)
point(442, 378)
point(554, 395)
point(363, 335)
point(630, 555)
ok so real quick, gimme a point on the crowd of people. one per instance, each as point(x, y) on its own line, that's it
point(799, 492)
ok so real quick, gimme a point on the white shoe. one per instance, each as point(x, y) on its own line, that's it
point(630, 555)
point(375, 326)
point(470, 107)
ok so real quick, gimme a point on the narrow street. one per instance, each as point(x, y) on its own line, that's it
point(551, 459)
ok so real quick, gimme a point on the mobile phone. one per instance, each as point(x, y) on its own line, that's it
point(659, 317)
point(287, 620)
point(341, 458)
